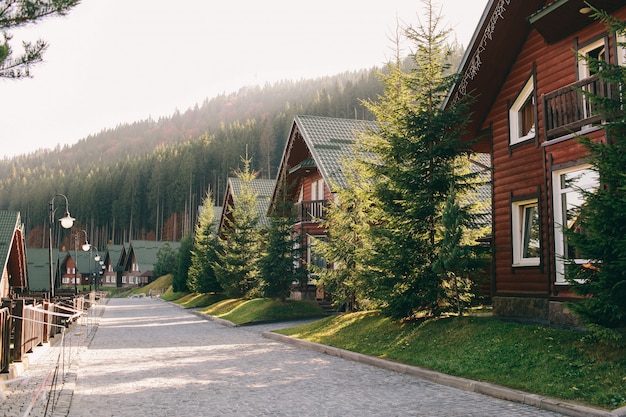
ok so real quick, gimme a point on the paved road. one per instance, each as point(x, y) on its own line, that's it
point(150, 358)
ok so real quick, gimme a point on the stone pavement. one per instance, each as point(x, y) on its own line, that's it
point(43, 384)
point(151, 358)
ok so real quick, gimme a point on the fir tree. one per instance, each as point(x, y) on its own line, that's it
point(277, 265)
point(236, 269)
point(348, 247)
point(16, 14)
point(204, 253)
point(419, 150)
point(600, 232)
point(183, 262)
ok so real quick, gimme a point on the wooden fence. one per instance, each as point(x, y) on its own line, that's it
point(26, 323)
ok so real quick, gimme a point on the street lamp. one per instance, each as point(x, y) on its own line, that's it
point(85, 247)
point(67, 222)
point(95, 275)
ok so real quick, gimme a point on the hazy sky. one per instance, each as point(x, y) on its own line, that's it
point(120, 61)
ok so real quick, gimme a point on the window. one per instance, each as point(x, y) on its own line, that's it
point(595, 50)
point(568, 199)
point(317, 190)
point(526, 233)
point(313, 258)
point(522, 114)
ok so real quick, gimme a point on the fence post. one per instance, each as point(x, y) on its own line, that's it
point(5, 342)
point(18, 329)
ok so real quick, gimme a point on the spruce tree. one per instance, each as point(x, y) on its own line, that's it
point(204, 253)
point(600, 232)
point(348, 247)
point(419, 151)
point(183, 262)
point(277, 265)
point(236, 268)
point(16, 14)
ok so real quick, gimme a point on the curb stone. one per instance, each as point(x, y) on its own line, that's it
point(492, 390)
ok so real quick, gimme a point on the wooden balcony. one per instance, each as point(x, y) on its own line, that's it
point(311, 211)
point(568, 109)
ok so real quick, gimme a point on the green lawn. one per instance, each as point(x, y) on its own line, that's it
point(553, 362)
point(263, 310)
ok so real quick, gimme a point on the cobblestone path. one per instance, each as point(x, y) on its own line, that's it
point(151, 358)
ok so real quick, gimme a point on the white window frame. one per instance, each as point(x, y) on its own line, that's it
point(583, 69)
point(559, 217)
point(621, 50)
point(518, 221)
point(310, 239)
point(515, 118)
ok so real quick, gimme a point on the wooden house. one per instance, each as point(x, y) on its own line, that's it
point(523, 66)
point(138, 265)
point(12, 254)
point(263, 189)
point(114, 265)
point(312, 167)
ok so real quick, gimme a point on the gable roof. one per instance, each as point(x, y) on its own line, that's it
point(329, 140)
point(146, 252)
point(498, 39)
point(263, 188)
point(12, 249)
point(115, 254)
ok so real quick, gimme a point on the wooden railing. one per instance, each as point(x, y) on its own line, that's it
point(311, 211)
point(5, 339)
point(24, 325)
point(568, 109)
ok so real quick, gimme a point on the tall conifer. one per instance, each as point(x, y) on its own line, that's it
point(419, 152)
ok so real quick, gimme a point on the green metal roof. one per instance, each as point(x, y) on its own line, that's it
point(330, 141)
point(263, 188)
point(146, 252)
point(9, 222)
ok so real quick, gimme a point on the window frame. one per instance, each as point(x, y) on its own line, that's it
point(559, 237)
point(527, 92)
point(519, 230)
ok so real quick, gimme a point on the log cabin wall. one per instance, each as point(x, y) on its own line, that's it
point(523, 171)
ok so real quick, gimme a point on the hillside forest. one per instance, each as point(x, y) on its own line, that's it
point(145, 180)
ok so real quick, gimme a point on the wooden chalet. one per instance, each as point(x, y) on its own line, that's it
point(140, 259)
point(12, 254)
point(311, 166)
point(523, 68)
point(263, 188)
point(114, 265)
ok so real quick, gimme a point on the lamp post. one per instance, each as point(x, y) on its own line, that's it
point(85, 247)
point(97, 272)
point(66, 222)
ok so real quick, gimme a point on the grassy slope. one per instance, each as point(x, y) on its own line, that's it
point(263, 309)
point(546, 361)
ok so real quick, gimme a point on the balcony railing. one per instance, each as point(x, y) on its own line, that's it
point(568, 108)
point(311, 211)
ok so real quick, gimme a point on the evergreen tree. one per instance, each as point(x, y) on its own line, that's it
point(16, 14)
point(348, 246)
point(600, 231)
point(277, 265)
point(204, 253)
point(419, 151)
point(183, 262)
point(166, 264)
point(237, 269)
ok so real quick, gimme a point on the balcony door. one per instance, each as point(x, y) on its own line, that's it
point(596, 50)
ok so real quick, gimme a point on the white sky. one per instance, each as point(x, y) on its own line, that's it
point(121, 61)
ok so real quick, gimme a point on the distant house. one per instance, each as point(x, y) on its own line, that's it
point(312, 166)
point(12, 254)
point(140, 259)
point(78, 267)
point(263, 188)
point(114, 258)
point(524, 68)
